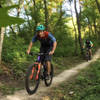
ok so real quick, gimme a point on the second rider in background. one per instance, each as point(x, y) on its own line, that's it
point(88, 45)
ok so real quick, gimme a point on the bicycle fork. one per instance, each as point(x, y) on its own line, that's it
point(31, 76)
point(37, 75)
point(37, 67)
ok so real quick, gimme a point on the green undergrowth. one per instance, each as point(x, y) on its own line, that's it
point(85, 86)
point(60, 64)
point(4, 89)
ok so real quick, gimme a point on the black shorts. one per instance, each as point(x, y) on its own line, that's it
point(45, 57)
point(88, 47)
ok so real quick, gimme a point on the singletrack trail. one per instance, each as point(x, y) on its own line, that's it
point(41, 92)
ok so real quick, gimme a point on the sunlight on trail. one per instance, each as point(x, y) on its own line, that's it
point(65, 75)
point(13, 98)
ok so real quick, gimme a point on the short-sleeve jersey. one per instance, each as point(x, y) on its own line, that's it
point(46, 41)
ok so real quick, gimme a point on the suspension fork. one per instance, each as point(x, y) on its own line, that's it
point(38, 72)
point(35, 66)
point(31, 76)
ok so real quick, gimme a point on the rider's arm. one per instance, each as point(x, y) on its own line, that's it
point(54, 46)
point(54, 42)
point(29, 48)
point(34, 39)
point(91, 44)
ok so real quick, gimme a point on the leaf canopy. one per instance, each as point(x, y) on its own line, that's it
point(6, 20)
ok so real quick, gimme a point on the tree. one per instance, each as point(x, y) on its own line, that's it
point(78, 26)
point(1, 38)
point(76, 42)
point(35, 17)
point(90, 18)
point(98, 5)
point(2, 31)
point(46, 14)
point(6, 20)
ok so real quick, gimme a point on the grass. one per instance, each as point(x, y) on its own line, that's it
point(86, 86)
point(64, 63)
point(4, 89)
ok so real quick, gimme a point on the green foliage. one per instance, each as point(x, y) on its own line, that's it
point(15, 50)
point(89, 18)
point(6, 20)
point(1, 71)
point(4, 89)
point(64, 38)
point(2, 1)
point(16, 55)
point(90, 80)
point(86, 86)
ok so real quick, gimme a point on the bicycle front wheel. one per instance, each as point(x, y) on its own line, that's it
point(32, 79)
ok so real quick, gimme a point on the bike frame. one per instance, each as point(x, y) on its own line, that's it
point(87, 53)
point(36, 65)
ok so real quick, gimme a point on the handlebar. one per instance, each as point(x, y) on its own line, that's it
point(39, 54)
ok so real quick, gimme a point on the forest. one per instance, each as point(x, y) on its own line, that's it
point(71, 22)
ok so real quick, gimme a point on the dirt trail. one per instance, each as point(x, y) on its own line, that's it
point(65, 75)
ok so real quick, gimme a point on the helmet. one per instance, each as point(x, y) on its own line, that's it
point(87, 41)
point(40, 27)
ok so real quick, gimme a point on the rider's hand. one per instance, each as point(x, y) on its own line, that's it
point(51, 52)
point(28, 51)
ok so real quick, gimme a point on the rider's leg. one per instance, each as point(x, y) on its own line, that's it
point(90, 51)
point(48, 63)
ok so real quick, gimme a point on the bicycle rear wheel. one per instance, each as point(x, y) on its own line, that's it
point(32, 79)
point(49, 81)
point(87, 56)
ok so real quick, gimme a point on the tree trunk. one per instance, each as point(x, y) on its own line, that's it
point(89, 26)
point(21, 3)
point(79, 27)
point(59, 18)
point(14, 33)
point(35, 18)
point(76, 42)
point(1, 39)
point(2, 30)
point(98, 5)
point(95, 29)
point(46, 15)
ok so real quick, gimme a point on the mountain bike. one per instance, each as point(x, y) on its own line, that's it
point(88, 55)
point(35, 73)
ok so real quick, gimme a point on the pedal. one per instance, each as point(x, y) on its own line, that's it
point(42, 77)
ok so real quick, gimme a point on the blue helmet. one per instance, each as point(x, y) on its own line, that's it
point(40, 28)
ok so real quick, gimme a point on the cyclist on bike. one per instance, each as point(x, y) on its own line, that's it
point(88, 45)
point(48, 45)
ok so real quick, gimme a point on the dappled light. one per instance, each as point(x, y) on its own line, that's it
point(66, 32)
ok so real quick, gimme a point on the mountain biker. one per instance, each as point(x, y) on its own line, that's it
point(48, 45)
point(88, 45)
